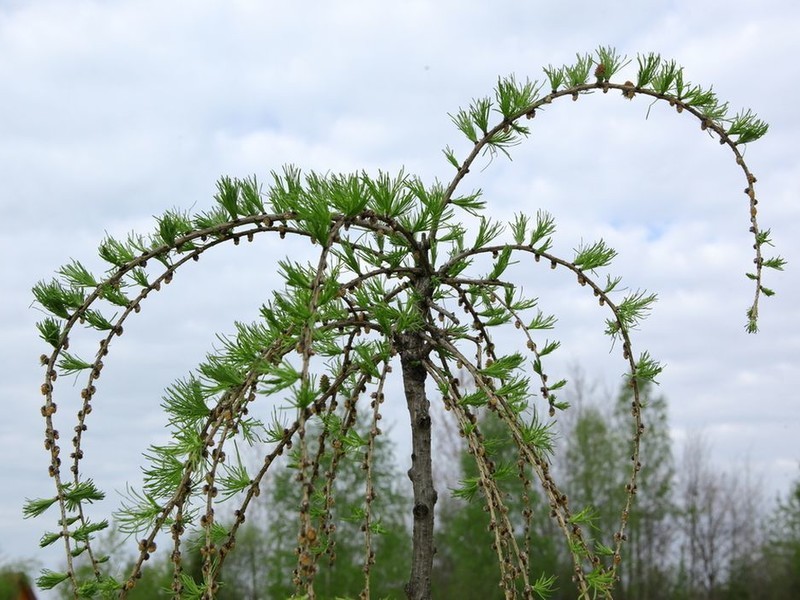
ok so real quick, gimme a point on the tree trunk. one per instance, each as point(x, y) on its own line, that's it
point(420, 473)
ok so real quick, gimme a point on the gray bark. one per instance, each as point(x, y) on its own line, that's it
point(420, 473)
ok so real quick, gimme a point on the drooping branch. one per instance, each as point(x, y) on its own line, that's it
point(384, 280)
point(658, 79)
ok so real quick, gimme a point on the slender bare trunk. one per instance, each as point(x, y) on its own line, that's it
point(420, 473)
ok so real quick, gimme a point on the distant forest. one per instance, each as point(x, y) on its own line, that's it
point(696, 532)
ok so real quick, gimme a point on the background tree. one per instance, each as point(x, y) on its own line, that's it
point(592, 442)
point(782, 548)
point(720, 518)
point(396, 259)
point(596, 432)
point(645, 573)
point(745, 577)
point(466, 563)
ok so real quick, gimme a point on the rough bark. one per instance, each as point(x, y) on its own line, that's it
point(421, 472)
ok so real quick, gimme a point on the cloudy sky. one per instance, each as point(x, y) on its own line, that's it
point(112, 112)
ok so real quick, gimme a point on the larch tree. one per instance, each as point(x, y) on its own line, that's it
point(407, 278)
